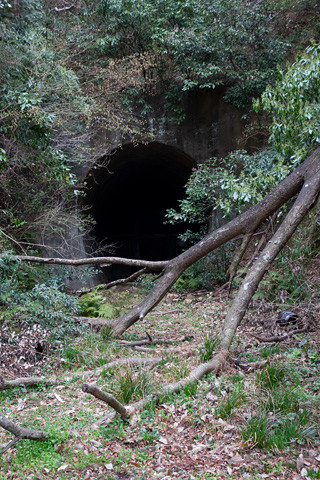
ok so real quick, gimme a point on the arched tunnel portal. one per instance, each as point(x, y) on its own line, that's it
point(128, 197)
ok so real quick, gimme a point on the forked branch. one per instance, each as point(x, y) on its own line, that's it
point(19, 433)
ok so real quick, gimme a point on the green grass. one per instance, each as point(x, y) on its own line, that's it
point(283, 400)
point(269, 351)
point(229, 404)
point(131, 386)
point(272, 375)
point(208, 347)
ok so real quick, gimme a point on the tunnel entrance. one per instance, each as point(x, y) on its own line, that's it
point(128, 199)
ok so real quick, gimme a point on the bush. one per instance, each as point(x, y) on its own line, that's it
point(53, 310)
point(23, 291)
point(102, 304)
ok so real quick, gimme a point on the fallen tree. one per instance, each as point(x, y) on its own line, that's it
point(308, 181)
point(305, 179)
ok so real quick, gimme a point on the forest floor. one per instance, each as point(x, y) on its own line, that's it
point(246, 423)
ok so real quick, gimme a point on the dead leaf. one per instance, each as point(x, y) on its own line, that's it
point(58, 398)
point(163, 440)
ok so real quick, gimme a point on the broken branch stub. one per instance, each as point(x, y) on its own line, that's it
point(105, 397)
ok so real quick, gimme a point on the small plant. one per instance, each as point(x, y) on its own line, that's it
point(257, 430)
point(145, 282)
point(271, 376)
point(278, 431)
point(313, 473)
point(283, 400)
point(74, 356)
point(115, 429)
point(269, 351)
point(290, 428)
point(149, 435)
point(131, 386)
point(101, 303)
point(106, 332)
point(93, 304)
point(191, 389)
point(229, 403)
point(53, 310)
point(208, 347)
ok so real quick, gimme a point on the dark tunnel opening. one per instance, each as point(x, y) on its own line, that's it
point(128, 199)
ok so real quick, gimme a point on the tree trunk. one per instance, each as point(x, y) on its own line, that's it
point(307, 197)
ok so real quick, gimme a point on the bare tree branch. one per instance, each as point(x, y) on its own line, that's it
point(306, 198)
point(9, 445)
point(102, 261)
point(238, 256)
point(105, 397)
point(121, 281)
point(195, 375)
point(281, 338)
point(26, 382)
point(19, 432)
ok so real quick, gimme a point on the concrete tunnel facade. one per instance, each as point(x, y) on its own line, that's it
point(128, 196)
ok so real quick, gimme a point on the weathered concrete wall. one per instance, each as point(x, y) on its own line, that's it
point(211, 127)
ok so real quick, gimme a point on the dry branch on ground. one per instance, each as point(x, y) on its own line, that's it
point(19, 433)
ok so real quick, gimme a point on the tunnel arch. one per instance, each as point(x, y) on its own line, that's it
point(128, 195)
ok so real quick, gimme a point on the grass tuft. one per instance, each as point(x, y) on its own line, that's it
point(131, 386)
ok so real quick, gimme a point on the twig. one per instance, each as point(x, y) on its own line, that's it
point(150, 341)
point(63, 9)
point(168, 312)
point(13, 240)
point(140, 343)
point(219, 289)
point(117, 363)
point(238, 256)
point(141, 349)
point(121, 281)
point(263, 239)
